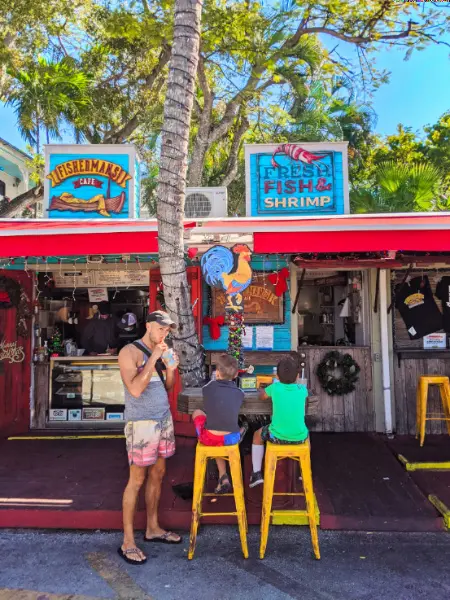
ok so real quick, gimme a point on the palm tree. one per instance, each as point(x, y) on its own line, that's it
point(171, 189)
point(399, 187)
point(48, 94)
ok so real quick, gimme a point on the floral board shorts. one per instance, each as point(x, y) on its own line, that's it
point(266, 436)
point(149, 440)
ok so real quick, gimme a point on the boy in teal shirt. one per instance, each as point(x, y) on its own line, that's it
point(288, 416)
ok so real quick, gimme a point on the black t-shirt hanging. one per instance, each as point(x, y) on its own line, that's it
point(443, 293)
point(416, 304)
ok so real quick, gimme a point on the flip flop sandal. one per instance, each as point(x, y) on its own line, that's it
point(164, 538)
point(125, 555)
point(224, 486)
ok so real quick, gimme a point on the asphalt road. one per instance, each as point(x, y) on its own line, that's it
point(354, 566)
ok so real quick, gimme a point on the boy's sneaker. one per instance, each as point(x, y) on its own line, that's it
point(256, 479)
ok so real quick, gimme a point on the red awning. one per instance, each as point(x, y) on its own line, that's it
point(354, 241)
point(344, 233)
point(368, 233)
point(72, 238)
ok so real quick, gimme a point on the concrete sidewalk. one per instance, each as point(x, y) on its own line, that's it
point(354, 566)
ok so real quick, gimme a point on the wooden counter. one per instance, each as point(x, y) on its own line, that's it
point(192, 399)
point(87, 358)
point(353, 412)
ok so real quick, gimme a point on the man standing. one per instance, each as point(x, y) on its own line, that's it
point(149, 429)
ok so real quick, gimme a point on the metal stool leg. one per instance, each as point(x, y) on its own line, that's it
point(305, 463)
point(269, 481)
point(423, 408)
point(238, 487)
point(199, 482)
point(445, 399)
point(245, 512)
point(418, 421)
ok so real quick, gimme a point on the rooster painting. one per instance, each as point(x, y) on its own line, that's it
point(228, 269)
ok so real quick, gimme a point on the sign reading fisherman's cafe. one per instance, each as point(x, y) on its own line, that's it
point(91, 181)
point(296, 179)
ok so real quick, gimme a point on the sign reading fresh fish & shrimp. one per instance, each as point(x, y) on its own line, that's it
point(296, 179)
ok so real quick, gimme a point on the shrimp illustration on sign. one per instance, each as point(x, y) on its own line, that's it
point(295, 152)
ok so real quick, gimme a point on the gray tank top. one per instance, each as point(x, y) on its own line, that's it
point(152, 404)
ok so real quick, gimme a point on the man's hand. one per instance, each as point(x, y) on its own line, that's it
point(159, 350)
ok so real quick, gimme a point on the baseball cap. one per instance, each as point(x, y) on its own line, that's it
point(127, 322)
point(162, 318)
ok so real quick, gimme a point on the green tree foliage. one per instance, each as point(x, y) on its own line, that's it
point(437, 147)
point(261, 72)
point(28, 29)
point(47, 94)
point(399, 187)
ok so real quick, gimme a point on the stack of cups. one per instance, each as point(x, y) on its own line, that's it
point(303, 380)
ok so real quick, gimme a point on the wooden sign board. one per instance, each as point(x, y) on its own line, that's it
point(260, 303)
point(130, 278)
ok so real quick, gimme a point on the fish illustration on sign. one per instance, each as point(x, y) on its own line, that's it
point(98, 203)
point(295, 152)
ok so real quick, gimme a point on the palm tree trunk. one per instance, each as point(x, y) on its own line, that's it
point(171, 189)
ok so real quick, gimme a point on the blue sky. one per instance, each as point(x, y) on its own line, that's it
point(418, 93)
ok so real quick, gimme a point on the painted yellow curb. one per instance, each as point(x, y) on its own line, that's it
point(442, 508)
point(67, 437)
point(294, 517)
point(423, 466)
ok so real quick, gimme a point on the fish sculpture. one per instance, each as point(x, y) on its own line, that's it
point(295, 152)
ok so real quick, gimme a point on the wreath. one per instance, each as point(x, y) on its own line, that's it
point(10, 292)
point(338, 385)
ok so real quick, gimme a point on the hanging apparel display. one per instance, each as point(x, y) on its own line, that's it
point(415, 302)
point(443, 293)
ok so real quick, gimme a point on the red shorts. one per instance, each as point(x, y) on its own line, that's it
point(207, 438)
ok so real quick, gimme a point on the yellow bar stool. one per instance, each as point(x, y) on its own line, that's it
point(301, 453)
point(422, 397)
point(232, 455)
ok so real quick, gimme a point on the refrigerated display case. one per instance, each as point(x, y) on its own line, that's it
point(86, 390)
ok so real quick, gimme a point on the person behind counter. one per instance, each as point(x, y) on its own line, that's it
point(129, 329)
point(288, 416)
point(99, 336)
point(218, 425)
point(149, 431)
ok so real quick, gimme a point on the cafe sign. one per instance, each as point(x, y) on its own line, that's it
point(261, 305)
point(91, 181)
point(296, 179)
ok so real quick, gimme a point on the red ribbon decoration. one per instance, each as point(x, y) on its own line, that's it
point(192, 253)
point(214, 324)
point(279, 281)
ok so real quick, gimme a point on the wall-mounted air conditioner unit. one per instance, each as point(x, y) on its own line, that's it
point(206, 202)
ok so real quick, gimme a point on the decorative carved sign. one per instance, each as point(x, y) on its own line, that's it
point(261, 305)
point(11, 352)
point(228, 269)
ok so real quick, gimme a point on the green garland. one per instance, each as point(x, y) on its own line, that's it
point(338, 386)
